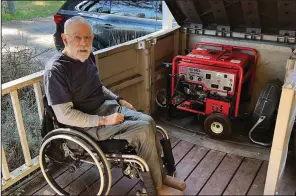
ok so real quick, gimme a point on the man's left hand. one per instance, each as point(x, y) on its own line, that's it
point(126, 104)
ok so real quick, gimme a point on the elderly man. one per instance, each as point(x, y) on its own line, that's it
point(78, 98)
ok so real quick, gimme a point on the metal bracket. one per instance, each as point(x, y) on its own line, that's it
point(256, 31)
point(192, 31)
point(191, 13)
point(145, 44)
point(196, 26)
point(223, 28)
point(183, 29)
point(253, 36)
point(223, 31)
point(287, 36)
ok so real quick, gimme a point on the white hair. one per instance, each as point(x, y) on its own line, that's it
point(73, 20)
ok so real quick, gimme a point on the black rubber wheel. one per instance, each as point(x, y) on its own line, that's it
point(86, 156)
point(218, 126)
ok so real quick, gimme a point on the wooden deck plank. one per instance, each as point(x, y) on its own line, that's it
point(181, 149)
point(63, 180)
point(288, 182)
point(257, 187)
point(174, 141)
point(81, 184)
point(243, 178)
point(223, 174)
point(123, 186)
point(189, 162)
point(177, 146)
point(202, 172)
point(134, 190)
point(205, 172)
point(116, 175)
point(33, 185)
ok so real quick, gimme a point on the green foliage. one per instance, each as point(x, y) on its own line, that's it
point(32, 9)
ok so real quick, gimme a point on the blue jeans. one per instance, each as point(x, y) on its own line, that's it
point(139, 130)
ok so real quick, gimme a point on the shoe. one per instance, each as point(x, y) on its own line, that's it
point(166, 190)
point(174, 182)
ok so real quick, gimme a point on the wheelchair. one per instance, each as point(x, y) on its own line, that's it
point(76, 152)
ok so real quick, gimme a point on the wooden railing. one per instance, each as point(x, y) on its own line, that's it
point(30, 165)
point(282, 133)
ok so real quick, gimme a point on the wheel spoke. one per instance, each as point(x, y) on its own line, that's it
point(78, 176)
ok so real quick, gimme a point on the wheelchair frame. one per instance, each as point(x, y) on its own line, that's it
point(136, 166)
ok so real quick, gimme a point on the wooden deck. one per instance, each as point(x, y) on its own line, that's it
point(206, 172)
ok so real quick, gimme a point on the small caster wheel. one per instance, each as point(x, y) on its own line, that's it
point(218, 126)
point(72, 169)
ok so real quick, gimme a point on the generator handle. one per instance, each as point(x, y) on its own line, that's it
point(230, 48)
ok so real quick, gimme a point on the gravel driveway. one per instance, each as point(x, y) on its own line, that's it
point(36, 33)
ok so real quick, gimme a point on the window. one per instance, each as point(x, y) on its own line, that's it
point(115, 22)
point(139, 9)
point(94, 6)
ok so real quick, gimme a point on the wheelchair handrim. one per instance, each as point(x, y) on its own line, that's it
point(90, 141)
point(42, 154)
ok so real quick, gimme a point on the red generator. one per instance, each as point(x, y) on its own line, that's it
point(213, 80)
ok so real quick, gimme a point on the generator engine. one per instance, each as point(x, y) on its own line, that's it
point(212, 80)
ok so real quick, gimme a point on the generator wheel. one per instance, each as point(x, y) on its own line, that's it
point(218, 126)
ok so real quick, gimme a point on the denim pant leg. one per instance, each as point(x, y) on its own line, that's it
point(134, 115)
point(142, 137)
point(139, 133)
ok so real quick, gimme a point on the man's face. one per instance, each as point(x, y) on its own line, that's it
point(78, 41)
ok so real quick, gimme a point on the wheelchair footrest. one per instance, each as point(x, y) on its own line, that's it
point(168, 158)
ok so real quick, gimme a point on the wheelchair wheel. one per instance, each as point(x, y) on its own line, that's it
point(85, 168)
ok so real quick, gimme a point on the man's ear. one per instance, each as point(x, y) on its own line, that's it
point(64, 38)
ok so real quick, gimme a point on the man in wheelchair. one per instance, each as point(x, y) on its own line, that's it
point(80, 101)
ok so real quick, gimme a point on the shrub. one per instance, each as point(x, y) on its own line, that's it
point(17, 62)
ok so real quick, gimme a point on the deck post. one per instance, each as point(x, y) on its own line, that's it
point(5, 170)
point(167, 17)
point(282, 133)
point(38, 95)
point(21, 127)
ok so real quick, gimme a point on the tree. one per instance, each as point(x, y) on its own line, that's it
point(9, 7)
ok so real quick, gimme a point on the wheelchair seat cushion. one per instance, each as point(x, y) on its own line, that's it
point(116, 146)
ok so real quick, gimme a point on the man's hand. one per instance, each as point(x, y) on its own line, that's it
point(126, 104)
point(114, 119)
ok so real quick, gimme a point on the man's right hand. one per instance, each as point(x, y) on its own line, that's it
point(114, 119)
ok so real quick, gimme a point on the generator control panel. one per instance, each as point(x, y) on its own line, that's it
point(211, 80)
